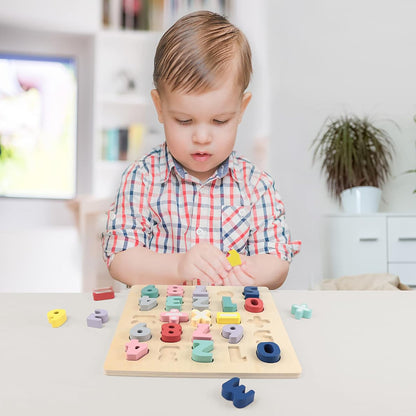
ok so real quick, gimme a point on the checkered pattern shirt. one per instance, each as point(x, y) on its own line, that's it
point(161, 207)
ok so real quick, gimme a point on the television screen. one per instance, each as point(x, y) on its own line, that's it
point(38, 126)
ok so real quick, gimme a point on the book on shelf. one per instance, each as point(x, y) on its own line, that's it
point(135, 14)
point(123, 143)
point(123, 136)
point(136, 133)
point(156, 15)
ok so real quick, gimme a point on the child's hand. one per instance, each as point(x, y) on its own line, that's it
point(240, 275)
point(205, 262)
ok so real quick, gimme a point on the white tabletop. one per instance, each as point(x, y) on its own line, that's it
point(358, 355)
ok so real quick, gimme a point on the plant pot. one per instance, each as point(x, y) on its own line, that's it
point(361, 200)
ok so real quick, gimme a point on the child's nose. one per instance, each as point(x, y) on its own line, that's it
point(201, 135)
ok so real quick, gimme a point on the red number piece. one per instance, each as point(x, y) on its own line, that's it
point(102, 294)
point(254, 305)
point(171, 332)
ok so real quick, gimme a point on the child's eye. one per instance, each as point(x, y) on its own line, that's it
point(220, 121)
point(184, 122)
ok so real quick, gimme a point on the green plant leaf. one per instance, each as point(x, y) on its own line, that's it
point(353, 152)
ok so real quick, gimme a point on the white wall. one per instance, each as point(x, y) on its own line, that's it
point(330, 57)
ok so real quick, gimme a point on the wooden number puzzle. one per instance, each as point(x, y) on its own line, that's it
point(229, 358)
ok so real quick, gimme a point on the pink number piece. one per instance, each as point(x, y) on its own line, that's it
point(174, 316)
point(202, 332)
point(136, 350)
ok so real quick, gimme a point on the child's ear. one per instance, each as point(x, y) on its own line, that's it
point(244, 103)
point(157, 103)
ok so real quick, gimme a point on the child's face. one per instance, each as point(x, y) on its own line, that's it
point(201, 129)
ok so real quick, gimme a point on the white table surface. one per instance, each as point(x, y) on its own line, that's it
point(358, 354)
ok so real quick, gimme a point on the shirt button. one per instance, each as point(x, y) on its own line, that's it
point(113, 216)
point(200, 231)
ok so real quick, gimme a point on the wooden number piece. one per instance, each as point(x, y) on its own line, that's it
point(202, 332)
point(171, 332)
point(140, 332)
point(254, 305)
point(136, 350)
point(233, 333)
point(57, 317)
point(201, 351)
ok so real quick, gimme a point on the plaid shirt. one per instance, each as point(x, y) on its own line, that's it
point(161, 207)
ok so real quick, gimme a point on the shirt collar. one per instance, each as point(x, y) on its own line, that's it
point(171, 163)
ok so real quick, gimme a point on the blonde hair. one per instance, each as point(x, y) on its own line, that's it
point(197, 50)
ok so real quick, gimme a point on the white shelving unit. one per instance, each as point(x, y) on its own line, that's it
point(379, 243)
point(123, 80)
point(123, 68)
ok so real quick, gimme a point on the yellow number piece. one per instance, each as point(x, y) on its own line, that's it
point(228, 318)
point(57, 317)
point(234, 258)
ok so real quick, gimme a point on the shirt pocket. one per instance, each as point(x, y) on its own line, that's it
point(235, 227)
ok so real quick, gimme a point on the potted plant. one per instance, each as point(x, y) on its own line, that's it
point(356, 160)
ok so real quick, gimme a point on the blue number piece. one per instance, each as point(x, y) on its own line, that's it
point(251, 292)
point(231, 390)
point(269, 352)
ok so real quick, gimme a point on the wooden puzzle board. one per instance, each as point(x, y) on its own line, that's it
point(230, 360)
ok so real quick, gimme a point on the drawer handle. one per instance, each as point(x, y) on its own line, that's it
point(368, 239)
point(407, 238)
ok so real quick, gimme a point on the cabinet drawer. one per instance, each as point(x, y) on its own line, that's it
point(405, 271)
point(356, 245)
point(401, 239)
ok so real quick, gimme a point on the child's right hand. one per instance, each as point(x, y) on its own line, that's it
point(205, 262)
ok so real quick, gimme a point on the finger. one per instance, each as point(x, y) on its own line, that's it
point(245, 265)
point(242, 277)
point(209, 272)
point(217, 261)
point(198, 276)
point(224, 261)
point(232, 279)
point(246, 270)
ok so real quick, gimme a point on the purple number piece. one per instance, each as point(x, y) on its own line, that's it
point(200, 291)
point(234, 333)
point(97, 318)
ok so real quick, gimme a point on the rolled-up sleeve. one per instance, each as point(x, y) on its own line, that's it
point(128, 220)
point(269, 232)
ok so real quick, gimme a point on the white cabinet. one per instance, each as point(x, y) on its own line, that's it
point(380, 243)
point(402, 248)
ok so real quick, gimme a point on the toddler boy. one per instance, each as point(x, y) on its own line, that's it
point(182, 207)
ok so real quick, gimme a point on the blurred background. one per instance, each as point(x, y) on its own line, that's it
point(75, 109)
